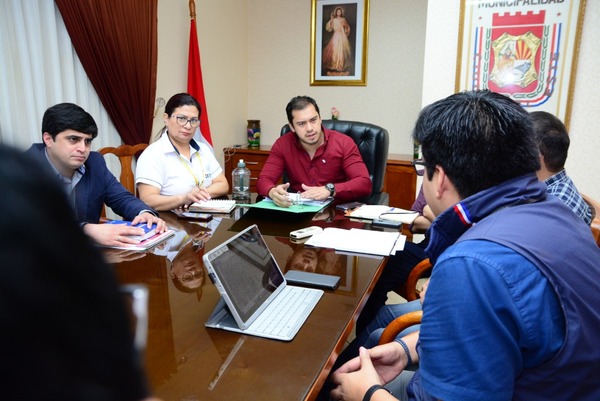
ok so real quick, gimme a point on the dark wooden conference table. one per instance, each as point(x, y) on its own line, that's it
point(186, 361)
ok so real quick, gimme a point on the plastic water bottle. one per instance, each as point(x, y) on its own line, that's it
point(241, 181)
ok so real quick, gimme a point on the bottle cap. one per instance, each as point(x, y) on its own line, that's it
point(241, 163)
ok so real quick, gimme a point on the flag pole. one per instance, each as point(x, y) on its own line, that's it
point(195, 87)
point(192, 5)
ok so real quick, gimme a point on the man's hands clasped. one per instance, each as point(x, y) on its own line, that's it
point(280, 196)
point(378, 365)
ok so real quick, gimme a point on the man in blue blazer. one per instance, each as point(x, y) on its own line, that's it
point(67, 132)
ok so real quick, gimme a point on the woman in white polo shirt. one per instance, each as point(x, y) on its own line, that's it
point(178, 170)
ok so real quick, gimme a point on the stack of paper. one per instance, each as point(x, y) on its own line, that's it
point(359, 241)
point(213, 206)
point(383, 212)
point(147, 243)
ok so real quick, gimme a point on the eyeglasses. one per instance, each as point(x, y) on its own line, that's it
point(189, 276)
point(183, 120)
point(419, 166)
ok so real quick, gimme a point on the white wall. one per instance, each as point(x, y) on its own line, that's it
point(255, 57)
point(583, 163)
point(222, 29)
point(279, 66)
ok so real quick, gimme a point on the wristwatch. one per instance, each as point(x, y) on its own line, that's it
point(331, 188)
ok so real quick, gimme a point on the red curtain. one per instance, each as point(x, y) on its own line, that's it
point(116, 41)
point(195, 86)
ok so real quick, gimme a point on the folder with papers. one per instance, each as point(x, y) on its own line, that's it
point(359, 241)
point(302, 206)
point(383, 212)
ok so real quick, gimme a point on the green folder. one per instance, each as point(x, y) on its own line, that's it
point(312, 207)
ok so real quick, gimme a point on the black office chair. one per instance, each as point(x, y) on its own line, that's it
point(373, 143)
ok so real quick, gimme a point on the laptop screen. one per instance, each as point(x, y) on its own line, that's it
point(247, 270)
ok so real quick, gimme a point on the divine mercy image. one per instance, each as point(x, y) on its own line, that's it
point(339, 40)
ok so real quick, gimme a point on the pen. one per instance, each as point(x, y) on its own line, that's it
point(391, 211)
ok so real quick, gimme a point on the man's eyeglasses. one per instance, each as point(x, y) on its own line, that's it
point(419, 166)
point(182, 121)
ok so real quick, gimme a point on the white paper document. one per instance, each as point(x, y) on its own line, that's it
point(213, 206)
point(297, 199)
point(357, 240)
point(383, 212)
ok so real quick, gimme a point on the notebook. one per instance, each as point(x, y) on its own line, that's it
point(383, 212)
point(213, 206)
point(148, 232)
point(255, 298)
point(145, 244)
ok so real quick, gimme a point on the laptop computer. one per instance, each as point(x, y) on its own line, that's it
point(255, 297)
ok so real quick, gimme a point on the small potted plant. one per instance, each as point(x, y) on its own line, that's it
point(335, 114)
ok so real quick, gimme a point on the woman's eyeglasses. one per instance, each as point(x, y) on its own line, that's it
point(182, 121)
point(189, 276)
point(419, 166)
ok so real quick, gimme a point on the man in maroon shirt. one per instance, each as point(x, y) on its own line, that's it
point(318, 162)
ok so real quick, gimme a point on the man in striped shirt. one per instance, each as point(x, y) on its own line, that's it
point(553, 141)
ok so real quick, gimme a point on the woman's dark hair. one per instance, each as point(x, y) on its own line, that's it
point(196, 249)
point(179, 100)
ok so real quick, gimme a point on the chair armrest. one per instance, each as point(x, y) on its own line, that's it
point(399, 324)
point(417, 273)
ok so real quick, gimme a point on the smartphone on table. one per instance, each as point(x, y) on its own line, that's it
point(302, 278)
point(348, 206)
point(196, 216)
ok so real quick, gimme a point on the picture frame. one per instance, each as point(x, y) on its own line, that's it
point(338, 42)
point(527, 52)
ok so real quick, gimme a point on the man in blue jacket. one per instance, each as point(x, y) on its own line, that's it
point(511, 308)
point(67, 132)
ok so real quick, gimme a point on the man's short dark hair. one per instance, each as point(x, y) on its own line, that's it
point(299, 103)
point(480, 138)
point(64, 116)
point(552, 139)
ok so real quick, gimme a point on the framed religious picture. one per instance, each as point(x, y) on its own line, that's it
point(525, 50)
point(338, 42)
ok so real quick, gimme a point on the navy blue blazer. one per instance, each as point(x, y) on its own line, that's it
point(97, 187)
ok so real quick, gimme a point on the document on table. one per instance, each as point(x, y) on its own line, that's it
point(308, 206)
point(145, 244)
point(356, 240)
point(213, 206)
point(383, 212)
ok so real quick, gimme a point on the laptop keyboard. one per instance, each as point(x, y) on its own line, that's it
point(286, 313)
